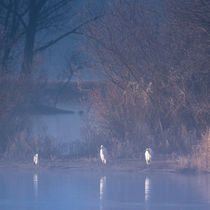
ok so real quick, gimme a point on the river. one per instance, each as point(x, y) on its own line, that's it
point(60, 189)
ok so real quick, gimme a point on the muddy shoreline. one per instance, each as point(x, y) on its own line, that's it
point(94, 165)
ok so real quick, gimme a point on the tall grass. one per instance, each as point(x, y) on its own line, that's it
point(200, 157)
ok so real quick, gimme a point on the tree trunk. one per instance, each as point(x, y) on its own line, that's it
point(29, 40)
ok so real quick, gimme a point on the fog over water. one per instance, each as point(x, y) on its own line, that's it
point(99, 191)
point(63, 128)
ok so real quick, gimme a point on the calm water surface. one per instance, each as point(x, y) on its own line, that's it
point(92, 191)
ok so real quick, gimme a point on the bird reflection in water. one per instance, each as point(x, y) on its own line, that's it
point(35, 181)
point(147, 189)
point(102, 190)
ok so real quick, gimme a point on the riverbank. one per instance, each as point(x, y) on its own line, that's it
point(88, 165)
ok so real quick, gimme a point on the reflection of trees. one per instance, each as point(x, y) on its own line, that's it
point(196, 185)
point(203, 187)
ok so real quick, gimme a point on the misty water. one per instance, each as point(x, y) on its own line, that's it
point(62, 128)
point(49, 190)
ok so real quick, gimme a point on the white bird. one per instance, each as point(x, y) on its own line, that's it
point(36, 159)
point(103, 154)
point(148, 155)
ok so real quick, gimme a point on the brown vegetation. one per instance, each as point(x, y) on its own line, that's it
point(200, 156)
point(155, 58)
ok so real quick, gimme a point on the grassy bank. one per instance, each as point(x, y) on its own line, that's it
point(85, 156)
point(199, 159)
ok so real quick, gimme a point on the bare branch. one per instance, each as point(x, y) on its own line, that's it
point(73, 31)
point(15, 12)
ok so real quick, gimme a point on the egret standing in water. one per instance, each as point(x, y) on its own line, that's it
point(148, 155)
point(36, 159)
point(103, 154)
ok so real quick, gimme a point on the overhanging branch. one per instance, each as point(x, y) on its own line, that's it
point(15, 12)
point(73, 31)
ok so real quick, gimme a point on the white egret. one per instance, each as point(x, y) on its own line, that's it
point(36, 159)
point(148, 155)
point(103, 154)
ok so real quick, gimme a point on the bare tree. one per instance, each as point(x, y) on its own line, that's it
point(195, 13)
point(22, 26)
point(10, 31)
point(23, 21)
